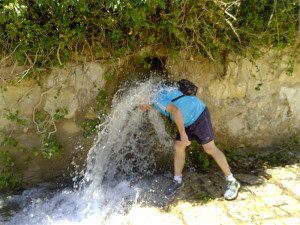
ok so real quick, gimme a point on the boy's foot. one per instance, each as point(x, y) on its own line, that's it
point(171, 189)
point(232, 190)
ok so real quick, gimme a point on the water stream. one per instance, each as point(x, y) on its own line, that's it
point(118, 176)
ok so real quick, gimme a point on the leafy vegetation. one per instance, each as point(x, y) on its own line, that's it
point(52, 148)
point(49, 148)
point(204, 197)
point(284, 155)
point(44, 33)
point(7, 178)
point(46, 129)
point(91, 127)
point(196, 157)
point(14, 117)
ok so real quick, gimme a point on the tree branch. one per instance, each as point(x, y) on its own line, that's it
point(3, 60)
point(25, 72)
point(35, 107)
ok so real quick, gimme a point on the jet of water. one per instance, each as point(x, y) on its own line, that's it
point(122, 154)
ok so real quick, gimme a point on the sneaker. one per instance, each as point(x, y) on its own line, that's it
point(171, 189)
point(232, 190)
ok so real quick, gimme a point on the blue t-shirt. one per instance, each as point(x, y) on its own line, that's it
point(191, 107)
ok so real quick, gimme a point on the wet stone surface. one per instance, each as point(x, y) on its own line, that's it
point(269, 196)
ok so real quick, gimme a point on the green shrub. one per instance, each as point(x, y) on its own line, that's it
point(7, 178)
point(196, 157)
point(46, 33)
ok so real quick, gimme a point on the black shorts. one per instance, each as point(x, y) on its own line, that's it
point(201, 130)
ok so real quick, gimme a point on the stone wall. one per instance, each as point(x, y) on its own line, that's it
point(254, 104)
point(242, 115)
point(73, 88)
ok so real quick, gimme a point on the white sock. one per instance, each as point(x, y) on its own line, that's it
point(230, 178)
point(178, 178)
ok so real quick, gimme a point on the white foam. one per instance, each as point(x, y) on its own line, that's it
point(122, 154)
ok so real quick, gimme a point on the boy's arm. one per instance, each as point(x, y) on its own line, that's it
point(144, 107)
point(178, 119)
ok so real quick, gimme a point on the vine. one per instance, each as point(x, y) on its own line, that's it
point(14, 117)
point(7, 178)
point(46, 33)
point(91, 127)
point(42, 34)
point(50, 146)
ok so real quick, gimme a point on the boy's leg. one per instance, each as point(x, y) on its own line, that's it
point(179, 158)
point(233, 185)
point(211, 149)
point(179, 161)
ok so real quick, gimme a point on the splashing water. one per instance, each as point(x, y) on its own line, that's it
point(123, 154)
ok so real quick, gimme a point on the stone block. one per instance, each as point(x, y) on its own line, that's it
point(291, 221)
point(291, 209)
point(291, 78)
point(222, 89)
point(281, 173)
point(65, 100)
point(11, 97)
point(293, 186)
point(278, 211)
point(265, 190)
point(263, 95)
point(245, 194)
point(235, 126)
point(267, 222)
point(95, 73)
point(70, 127)
point(292, 95)
point(249, 210)
point(207, 214)
point(4, 124)
point(280, 200)
point(147, 216)
point(250, 179)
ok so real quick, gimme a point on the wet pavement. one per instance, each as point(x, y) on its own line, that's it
point(267, 196)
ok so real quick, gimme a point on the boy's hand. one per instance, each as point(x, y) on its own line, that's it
point(144, 107)
point(184, 140)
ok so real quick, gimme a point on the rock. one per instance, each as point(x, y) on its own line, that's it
point(250, 179)
point(70, 127)
point(292, 96)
